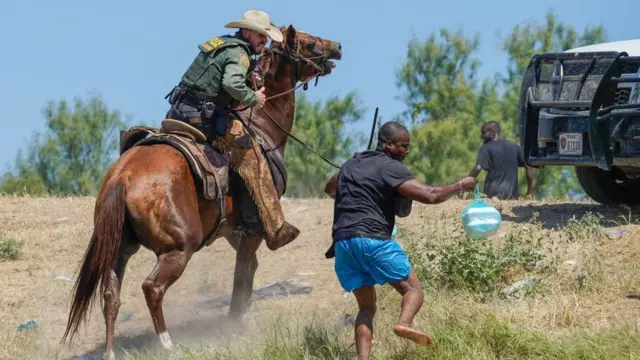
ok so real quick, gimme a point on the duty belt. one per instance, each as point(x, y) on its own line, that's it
point(193, 97)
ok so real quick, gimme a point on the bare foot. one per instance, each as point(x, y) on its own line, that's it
point(416, 336)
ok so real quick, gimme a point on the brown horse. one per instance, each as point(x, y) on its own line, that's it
point(151, 197)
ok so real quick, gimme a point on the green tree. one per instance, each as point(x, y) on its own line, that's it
point(520, 45)
point(71, 157)
point(446, 104)
point(438, 77)
point(446, 149)
point(321, 127)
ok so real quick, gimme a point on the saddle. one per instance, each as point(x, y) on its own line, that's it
point(209, 167)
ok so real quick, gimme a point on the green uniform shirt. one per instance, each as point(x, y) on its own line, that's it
point(220, 69)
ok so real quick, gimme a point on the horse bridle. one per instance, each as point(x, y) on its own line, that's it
point(297, 58)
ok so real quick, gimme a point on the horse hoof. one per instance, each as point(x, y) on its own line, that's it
point(165, 341)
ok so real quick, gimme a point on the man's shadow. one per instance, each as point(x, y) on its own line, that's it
point(554, 216)
point(205, 331)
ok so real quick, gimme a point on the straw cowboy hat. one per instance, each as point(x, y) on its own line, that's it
point(257, 21)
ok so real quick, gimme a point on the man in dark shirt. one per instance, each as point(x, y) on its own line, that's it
point(500, 158)
point(369, 190)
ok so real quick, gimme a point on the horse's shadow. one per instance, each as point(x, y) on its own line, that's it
point(205, 331)
point(557, 215)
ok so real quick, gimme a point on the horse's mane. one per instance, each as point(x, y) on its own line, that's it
point(268, 56)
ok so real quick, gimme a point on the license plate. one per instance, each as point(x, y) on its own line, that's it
point(570, 144)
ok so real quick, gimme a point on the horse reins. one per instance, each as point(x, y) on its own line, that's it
point(296, 57)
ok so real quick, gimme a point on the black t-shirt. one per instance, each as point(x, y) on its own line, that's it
point(364, 203)
point(501, 159)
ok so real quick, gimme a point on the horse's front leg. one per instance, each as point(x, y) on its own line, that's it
point(245, 270)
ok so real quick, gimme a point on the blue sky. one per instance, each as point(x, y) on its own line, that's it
point(133, 53)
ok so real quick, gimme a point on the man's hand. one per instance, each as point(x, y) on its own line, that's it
point(262, 98)
point(468, 183)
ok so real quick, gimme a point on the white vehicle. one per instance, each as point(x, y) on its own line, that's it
point(581, 108)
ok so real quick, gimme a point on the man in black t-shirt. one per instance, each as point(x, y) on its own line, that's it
point(500, 158)
point(370, 189)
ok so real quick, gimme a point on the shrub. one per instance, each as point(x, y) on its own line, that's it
point(479, 266)
point(10, 249)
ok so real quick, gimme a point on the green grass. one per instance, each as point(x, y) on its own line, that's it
point(481, 336)
point(10, 249)
point(465, 308)
point(570, 311)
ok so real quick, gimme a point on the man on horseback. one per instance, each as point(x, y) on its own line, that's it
point(209, 90)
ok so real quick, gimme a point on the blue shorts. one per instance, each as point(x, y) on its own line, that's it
point(366, 262)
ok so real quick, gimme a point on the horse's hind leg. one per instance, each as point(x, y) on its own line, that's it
point(245, 270)
point(111, 295)
point(168, 269)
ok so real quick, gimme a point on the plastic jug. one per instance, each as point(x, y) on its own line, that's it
point(480, 219)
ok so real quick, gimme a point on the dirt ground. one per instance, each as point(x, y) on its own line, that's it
point(57, 230)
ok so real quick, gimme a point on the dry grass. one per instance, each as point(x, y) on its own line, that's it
point(576, 306)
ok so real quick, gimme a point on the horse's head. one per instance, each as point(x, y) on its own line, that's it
point(310, 55)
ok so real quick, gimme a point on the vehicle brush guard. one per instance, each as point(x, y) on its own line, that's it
point(602, 68)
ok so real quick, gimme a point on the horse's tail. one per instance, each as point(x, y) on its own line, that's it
point(101, 254)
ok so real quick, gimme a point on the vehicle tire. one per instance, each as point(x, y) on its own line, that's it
point(603, 186)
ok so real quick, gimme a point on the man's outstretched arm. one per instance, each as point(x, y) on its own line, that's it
point(418, 191)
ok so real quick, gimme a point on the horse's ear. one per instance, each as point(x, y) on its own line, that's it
point(291, 36)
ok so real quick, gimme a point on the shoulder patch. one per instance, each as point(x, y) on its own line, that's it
point(211, 44)
point(244, 60)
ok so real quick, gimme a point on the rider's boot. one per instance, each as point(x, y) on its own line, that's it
point(247, 160)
